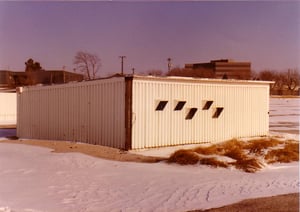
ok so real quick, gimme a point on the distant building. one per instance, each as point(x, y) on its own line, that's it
point(224, 68)
point(12, 79)
point(8, 109)
point(4, 79)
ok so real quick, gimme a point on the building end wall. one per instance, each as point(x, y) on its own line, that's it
point(176, 111)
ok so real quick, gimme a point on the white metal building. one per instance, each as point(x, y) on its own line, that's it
point(136, 112)
point(8, 108)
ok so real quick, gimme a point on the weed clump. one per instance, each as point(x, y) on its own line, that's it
point(221, 149)
point(235, 153)
point(250, 165)
point(213, 162)
point(257, 146)
point(288, 154)
point(232, 144)
point(248, 156)
point(213, 149)
point(184, 157)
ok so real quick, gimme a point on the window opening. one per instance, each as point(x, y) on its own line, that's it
point(180, 105)
point(161, 105)
point(207, 105)
point(218, 112)
point(191, 113)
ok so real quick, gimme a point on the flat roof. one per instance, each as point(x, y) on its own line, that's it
point(199, 80)
point(173, 79)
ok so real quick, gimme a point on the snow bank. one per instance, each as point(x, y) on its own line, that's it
point(34, 179)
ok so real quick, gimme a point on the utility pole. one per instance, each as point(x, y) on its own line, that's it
point(169, 63)
point(133, 71)
point(122, 64)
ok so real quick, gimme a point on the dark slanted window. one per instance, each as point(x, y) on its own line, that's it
point(161, 105)
point(207, 105)
point(180, 105)
point(191, 113)
point(218, 112)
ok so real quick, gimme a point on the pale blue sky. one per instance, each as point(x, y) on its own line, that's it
point(265, 33)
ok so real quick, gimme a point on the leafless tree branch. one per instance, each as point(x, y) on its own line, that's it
point(87, 63)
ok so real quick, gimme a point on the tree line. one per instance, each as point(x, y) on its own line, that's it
point(89, 65)
point(283, 80)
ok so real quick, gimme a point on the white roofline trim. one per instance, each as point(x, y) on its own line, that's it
point(203, 80)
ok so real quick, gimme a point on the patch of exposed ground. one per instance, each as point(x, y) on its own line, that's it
point(89, 149)
point(7, 126)
point(286, 203)
point(249, 156)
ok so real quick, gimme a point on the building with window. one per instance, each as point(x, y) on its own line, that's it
point(224, 68)
point(8, 109)
point(10, 80)
point(13, 79)
point(137, 112)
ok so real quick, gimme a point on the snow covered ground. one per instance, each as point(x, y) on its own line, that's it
point(34, 179)
point(284, 115)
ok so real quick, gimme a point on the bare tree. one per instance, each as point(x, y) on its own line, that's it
point(268, 75)
point(87, 63)
point(291, 79)
point(284, 80)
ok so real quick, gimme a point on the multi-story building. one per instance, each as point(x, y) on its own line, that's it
point(13, 79)
point(224, 68)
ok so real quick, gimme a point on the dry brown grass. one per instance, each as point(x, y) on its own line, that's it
point(289, 153)
point(184, 157)
point(292, 147)
point(213, 149)
point(213, 162)
point(248, 156)
point(257, 146)
point(250, 165)
point(220, 149)
point(235, 153)
point(232, 144)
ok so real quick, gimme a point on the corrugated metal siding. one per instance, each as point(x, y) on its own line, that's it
point(91, 112)
point(8, 108)
point(245, 113)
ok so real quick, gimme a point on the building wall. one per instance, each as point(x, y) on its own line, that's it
point(230, 68)
point(8, 108)
point(233, 70)
point(90, 112)
point(4, 78)
point(124, 113)
point(9, 79)
point(245, 113)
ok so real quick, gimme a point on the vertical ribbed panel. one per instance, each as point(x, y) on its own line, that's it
point(90, 112)
point(245, 112)
point(8, 104)
point(94, 112)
